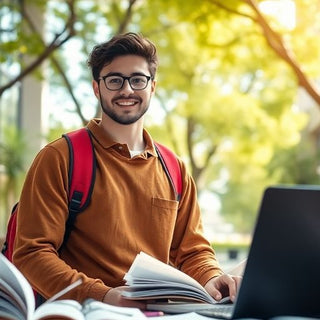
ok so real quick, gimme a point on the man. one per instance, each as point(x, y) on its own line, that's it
point(132, 209)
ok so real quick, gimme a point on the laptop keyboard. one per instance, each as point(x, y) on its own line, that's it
point(223, 311)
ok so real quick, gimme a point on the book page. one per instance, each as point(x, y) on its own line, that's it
point(147, 271)
point(97, 310)
point(178, 307)
point(9, 311)
point(70, 309)
point(8, 293)
point(162, 289)
point(147, 267)
point(164, 294)
point(14, 278)
point(185, 316)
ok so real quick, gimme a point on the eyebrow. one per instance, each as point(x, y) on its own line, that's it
point(123, 75)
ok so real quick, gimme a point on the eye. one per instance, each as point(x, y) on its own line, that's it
point(114, 80)
point(138, 80)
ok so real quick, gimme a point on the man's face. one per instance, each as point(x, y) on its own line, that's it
point(126, 105)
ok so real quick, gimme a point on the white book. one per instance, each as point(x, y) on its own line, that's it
point(164, 285)
point(17, 302)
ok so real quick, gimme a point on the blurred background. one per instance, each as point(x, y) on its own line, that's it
point(237, 96)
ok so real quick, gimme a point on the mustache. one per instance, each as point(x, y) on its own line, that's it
point(131, 96)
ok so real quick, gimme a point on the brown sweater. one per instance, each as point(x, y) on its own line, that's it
point(133, 209)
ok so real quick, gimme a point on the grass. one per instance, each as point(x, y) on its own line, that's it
point(230, 246)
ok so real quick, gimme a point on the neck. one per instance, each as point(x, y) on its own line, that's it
point(131, 134)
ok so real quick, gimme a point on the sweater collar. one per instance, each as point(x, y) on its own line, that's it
point(107, 142)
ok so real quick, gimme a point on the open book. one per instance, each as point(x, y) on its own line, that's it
point(17, 302)
point(168, 288)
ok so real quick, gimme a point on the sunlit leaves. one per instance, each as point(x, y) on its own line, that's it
point(228, 101)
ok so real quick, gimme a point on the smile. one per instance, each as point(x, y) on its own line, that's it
point(126, 103)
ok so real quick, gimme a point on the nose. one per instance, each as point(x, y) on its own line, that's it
point(126, 88)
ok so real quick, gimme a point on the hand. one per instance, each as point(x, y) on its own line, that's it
point(223, 286)
point(114, 297)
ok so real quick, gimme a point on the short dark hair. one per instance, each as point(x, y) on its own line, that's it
point(120, 45)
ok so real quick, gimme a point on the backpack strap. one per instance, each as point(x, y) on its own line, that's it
point(171, 167)
point(7, 248)
point(82, 169)
point(81, 176)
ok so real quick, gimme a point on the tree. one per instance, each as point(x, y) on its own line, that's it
point(36, 41)
point(252, 135)
point(12, 152)
point(227, 83)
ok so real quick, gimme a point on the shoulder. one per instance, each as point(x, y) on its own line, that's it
point(58, 147)
point(53, 154)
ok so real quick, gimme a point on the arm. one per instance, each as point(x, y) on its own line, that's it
point(43, 210)
point(191, 252)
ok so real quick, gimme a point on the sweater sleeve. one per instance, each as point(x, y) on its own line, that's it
point(191, 252)
point(42, 213)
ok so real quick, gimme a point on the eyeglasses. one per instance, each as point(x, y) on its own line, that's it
point(115, 82)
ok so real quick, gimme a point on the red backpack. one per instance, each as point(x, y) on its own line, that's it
point(81, 181)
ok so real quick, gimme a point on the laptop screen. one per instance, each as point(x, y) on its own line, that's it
point(282, 271)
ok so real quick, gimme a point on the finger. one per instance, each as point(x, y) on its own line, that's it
point(216, 294)
point(213, 291)
point(233, 285)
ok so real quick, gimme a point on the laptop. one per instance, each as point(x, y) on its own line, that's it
point(282, 273)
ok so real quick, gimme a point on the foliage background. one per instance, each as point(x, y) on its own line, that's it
point(229, 87)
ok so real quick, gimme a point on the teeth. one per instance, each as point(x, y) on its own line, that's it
point(126, 103)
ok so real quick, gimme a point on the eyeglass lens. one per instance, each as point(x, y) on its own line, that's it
point(138, 82)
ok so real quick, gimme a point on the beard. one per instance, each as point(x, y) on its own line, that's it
point(124, 118)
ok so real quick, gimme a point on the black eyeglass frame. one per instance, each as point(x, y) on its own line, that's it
point(124, 79)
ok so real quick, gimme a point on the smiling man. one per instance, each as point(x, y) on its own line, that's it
point(126, 90)
point(133, 207)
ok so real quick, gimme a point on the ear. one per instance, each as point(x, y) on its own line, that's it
point(96, 90)
point(153, 86)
